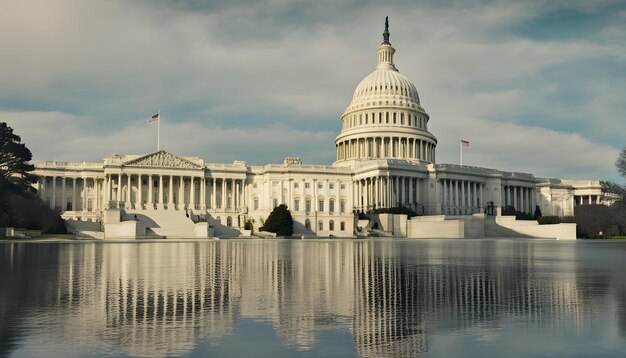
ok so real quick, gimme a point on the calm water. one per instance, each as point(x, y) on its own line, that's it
point(455, 298)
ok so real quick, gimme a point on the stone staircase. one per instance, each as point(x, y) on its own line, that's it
point(164, 223)
point(84, 229)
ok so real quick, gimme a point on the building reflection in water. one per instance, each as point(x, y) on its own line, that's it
point(163, 299)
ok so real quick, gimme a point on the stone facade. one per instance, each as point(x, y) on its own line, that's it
point(385, 158)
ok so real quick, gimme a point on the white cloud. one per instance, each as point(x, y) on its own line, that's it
point(116, 59)
point(64, 137)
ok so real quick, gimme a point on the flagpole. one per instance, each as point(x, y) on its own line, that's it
point(461, 150)
point(159, 131)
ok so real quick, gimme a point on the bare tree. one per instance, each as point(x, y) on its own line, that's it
point(612, 192)
point(620, 163)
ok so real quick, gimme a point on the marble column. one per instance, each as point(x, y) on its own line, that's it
point(84, 195)
point(170, 193)
point(63, 195)
point(223, 198)
point(139, 200)
point(411, 201)
point(444, 196)
point(129, 192)
point(160, 204)
point(150, 193)
point(54, 193)
point(214, 195)
point(74, 194)
point(192, 193)
point(203, 193)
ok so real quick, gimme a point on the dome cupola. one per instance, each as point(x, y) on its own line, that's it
point(385, 119)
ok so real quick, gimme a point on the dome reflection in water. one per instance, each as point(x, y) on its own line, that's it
point(313, 298)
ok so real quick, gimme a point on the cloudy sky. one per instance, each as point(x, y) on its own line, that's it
point(535, 86)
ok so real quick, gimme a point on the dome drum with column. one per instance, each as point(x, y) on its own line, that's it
point(385, 119)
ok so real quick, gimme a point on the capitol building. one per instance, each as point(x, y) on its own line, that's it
point(385, 158)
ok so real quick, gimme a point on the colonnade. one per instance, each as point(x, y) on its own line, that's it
point(175, 192)
point(520, 197)
point(141, 191)
point(70, 193)
point(461, 197)
point(386, 147)
point(388, 192)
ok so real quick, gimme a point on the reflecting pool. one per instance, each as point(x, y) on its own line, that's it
point(314, 298)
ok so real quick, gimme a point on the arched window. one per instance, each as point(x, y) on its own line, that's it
point(274, 202)
point(331, 205)
point(320, 225)
point(307, 205)
point(320, 204)
point(331, 225)
point(342, 206)
point(387, 118)
point(342, 226)
point(229, 221)
point(307, 224)
point(255, 203)
point(296, 204)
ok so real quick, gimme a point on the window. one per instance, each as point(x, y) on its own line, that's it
point(331, 186)
point(331, 225)
point(343, 186)
point(307, 205)
point(320, 185)
point(307, 185)
point(229, 221)
point(296, 205)
point(274, 183)
point(342, 206)
point(254, 185)
point(307, 224)
point(296, 185)
point(274, 202)
point(255, 204)
point(342, 226)
point(331, 205)
point(320, 225)
point(219, 220)
point(320, 205)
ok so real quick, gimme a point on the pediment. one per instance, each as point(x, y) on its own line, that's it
point(163, 159)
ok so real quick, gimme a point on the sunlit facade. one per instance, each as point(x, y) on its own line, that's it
point(385, 158)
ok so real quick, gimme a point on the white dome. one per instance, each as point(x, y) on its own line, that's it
point(385, 119)
point(385, 87)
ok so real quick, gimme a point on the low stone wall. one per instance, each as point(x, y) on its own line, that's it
point(203, 229)
point(531, 228)
point(124, 230)
point(396, 224)
point(435, 227)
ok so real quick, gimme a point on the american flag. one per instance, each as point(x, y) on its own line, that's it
point(464, 143)
point(154, 118)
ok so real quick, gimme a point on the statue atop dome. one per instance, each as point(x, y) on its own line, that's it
point(386, 33)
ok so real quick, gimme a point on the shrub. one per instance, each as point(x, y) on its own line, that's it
point(509, 210)
point(395, 210)
point(248, 225)
point(279, 221)
point(548, 220)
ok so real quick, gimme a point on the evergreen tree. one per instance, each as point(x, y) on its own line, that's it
point(279, 221)
point(15, 169)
